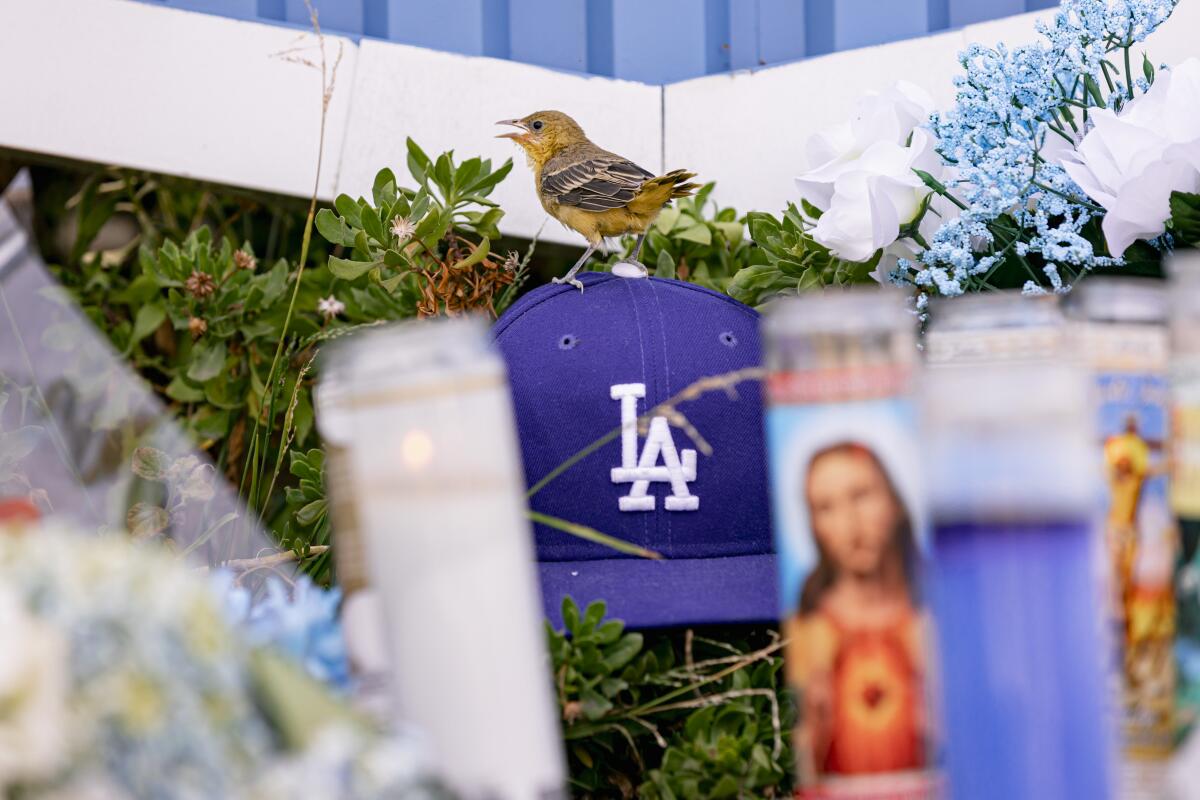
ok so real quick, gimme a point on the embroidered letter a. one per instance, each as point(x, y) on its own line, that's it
point(641, 470)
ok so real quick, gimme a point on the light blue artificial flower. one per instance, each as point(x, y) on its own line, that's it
point(1014, 108)
point(301, 621)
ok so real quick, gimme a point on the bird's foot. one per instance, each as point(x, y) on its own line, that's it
point(630, 268)
point(578, 284)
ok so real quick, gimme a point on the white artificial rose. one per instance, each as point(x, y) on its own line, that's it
point(33, 695)
point(1129, 163)
point(862, 177)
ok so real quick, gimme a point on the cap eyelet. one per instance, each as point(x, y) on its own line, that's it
point(728, 339)
point(568, 341)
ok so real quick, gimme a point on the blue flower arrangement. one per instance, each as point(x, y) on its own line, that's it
point(1017, 111)
point(124, 672)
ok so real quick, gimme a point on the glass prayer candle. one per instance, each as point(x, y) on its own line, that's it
point(439, 496)
point(1122, 328)
point(850, 541)
point(1014, 583)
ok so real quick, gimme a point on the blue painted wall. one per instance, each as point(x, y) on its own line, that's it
point(654, 41)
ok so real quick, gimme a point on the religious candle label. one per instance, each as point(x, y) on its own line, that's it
point(1185, 496)
point(1129, 363)
point(850, 541)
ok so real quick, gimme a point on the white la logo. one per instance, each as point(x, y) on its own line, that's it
point(640, 471)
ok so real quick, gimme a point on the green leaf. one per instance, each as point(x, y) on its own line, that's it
point(308, 514)
point(592, 616)
point(667, 219)
point(478, 254)
point(698, 233)
point(94, 210)
point(752, 285)
point(570, 614)
point(150, 463)
point(383, 190)
point(623, 652)
point(418, 162)
point(664, 267)
point(484, 185)
point(442, 175)
point(299, 466)
point(180, 390)
point(349, 270)
point(348, 208)
point(146, 321)
point(594, 704)
point(1185, 217)
point(1147, 68)
point(811, 279)
point(732, 231)
point(333, 228)
point(374, 226)
point(812, 212)
point(431, 227)
point(208, 359)
point(1093, 88)
point(467, 172)
point(145, 520)
point(273, 283)
point(610, 631)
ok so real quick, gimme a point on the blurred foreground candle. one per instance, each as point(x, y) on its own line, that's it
point(361, 615)
point(1015, 583)
point(439, 498)
point(848, 513)
point(1184, 270)
point(1123, 335)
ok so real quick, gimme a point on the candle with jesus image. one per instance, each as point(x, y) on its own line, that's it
point(847, 516)
point(856, 639)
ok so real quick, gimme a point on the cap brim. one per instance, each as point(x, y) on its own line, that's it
point(667, 593)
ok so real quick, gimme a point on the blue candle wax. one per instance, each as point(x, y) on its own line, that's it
point(1023, 660)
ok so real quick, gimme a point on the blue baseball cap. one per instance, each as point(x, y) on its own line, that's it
point(586, 365)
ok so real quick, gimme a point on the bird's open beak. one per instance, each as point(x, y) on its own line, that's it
point(514, 135)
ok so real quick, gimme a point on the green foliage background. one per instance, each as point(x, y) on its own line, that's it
point(660, 714)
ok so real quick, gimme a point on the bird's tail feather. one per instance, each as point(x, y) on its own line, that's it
point(656, 192)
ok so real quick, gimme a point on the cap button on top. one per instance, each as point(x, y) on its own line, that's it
point(628, 269)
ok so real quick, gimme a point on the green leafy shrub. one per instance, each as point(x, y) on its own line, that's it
point(428, 249)
point(668, 714)
point(306, 522)
point(184, 295)
point(792, 261)
point(688, 244)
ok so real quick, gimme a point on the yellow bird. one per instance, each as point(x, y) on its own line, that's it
point(591, 190)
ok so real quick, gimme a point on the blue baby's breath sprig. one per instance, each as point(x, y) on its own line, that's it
point(300, 621)
point(1017, 111)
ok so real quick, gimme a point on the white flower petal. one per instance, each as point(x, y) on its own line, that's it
point(1142, 208)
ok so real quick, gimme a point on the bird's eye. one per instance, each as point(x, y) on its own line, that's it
point(537, 125)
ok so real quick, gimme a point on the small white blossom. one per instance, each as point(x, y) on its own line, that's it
point(403, 228)
point(330, 307)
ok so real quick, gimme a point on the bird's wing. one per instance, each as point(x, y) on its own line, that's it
point(595, 182)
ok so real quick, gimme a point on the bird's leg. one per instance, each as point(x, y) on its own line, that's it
point(637, 248)
point(570, 276)
point(631, 267)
